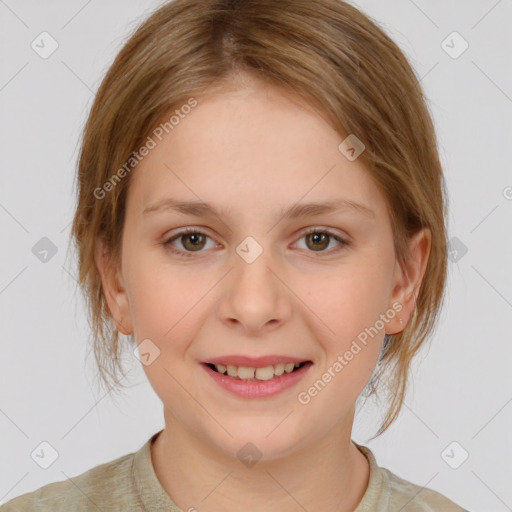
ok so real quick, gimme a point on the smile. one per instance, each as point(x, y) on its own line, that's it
point(248, 373)
point(250, 382)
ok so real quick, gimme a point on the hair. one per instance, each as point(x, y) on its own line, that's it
point(331, 55)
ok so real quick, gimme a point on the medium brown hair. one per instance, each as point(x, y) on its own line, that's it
point(333, 56)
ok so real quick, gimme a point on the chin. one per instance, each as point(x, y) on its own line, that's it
point(258, 439)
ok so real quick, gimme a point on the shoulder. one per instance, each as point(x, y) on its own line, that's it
point(415, 498)
point(96, 489)
point(389, 492)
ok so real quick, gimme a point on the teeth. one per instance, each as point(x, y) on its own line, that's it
point(266, 373)
point(279, 369)
point(288, 368)
point(248, 373)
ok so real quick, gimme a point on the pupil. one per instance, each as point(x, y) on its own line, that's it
point(316, 238)
point(194, 240)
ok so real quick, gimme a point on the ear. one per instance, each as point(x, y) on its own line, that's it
point(408, 279)
point(113, 288)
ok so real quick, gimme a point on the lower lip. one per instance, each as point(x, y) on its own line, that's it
point(257, 388)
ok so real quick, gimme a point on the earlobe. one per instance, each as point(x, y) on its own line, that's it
point(113, 287)
point(409, 278)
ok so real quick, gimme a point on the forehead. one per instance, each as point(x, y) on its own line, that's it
point(257, 145)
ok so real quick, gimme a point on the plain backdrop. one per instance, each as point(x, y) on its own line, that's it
point(460, 402)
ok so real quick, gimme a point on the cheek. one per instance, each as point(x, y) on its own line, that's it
point(162, 298)
point(165, 305)
point(349, 299)
point(169, 306)
point(345, 313)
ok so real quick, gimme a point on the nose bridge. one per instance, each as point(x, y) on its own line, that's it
point(253, 264)
point(255, 295)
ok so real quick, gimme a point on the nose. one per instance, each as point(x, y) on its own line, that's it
point(254, 297)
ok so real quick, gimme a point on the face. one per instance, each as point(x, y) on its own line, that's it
point(250, 280)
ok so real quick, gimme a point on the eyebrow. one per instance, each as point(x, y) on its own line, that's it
point(299, 210)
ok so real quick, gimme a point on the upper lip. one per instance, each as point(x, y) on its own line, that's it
point(254, 362)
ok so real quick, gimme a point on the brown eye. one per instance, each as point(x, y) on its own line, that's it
point(190, 241)
point(317, 240)
point(197, 241)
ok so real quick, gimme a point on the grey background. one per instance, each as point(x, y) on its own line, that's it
point(462, 388)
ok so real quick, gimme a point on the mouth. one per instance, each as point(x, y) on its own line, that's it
point(262, 373)
point(250, 378)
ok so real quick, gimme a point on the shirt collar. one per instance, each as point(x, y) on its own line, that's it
point(378, 492)
point(151, 493)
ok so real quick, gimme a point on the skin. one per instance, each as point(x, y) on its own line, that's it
point(253, 150)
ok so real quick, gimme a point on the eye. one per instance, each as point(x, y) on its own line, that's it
point(321, 238)
point(193, 240)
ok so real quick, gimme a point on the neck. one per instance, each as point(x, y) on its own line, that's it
point(331, 475)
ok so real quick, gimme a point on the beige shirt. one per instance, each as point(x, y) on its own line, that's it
point(130, 484)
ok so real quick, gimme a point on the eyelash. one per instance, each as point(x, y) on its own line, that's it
point(344, 243)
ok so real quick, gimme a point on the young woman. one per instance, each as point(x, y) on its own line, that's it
point(261, 210)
